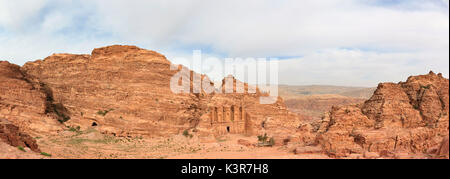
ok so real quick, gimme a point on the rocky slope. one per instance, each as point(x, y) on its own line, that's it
point(9, 152)
point(24, 103)
point(400, 120)
point(119, 97)
point(10, 134)
point(311, 102)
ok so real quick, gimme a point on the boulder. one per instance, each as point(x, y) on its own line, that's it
point(10, 134)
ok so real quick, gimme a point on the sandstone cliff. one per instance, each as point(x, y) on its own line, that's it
point(125, 91)
point(244, 111)
point(409, 117)
point(24, 103)
point(313, 107)
point(11, 135)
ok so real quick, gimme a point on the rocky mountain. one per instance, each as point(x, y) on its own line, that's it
point(23, 103)
point(407, 119)
point(292, 92)
point(125, 91)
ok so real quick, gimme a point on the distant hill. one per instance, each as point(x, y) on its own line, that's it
point(364, 93)
point(288, 92)
point(313, 101)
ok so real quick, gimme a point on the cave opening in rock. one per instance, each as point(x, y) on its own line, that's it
point(228, 129)
point(94, 124)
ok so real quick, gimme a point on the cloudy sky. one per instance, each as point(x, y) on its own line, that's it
point(335, 42)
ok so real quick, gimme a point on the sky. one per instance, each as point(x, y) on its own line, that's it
point(326, 42)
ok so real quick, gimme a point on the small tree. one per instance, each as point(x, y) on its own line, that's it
point(263, 140)
point(186, 134)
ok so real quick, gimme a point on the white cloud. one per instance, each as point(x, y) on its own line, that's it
point(50, 21)
point(445, 2)
point(14, 14)
point(359, 68)
point(252, 28)
point(377, 36)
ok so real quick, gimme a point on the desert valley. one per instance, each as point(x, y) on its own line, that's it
point(116, 103)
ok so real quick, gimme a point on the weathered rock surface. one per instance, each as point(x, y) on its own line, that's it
point(409, 117)
point(443, 149)
point(122, 90)
point(9, 152)
point(245, 143)
point(313, 107)
point(307, 150)
point(126, 91)
point(24, 103)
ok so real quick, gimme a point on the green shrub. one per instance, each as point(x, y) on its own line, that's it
point(186, 134)
point(46, 154)
point(262, 138)
point(75, 129)
point(21, 148)
point(104, 112)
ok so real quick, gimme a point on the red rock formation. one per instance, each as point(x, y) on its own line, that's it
point(11, 135)
point(409, 117)
point(125, 91)
point(313, 107)
point(122, 90)
point(22, 102)
point(421, 100)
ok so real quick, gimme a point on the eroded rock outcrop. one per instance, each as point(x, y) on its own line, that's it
point(9, 152)
point(443, 149)
point(313, 107)
point(24, 103)
point(11, 135)
point(121, 90)
point(409, 117)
